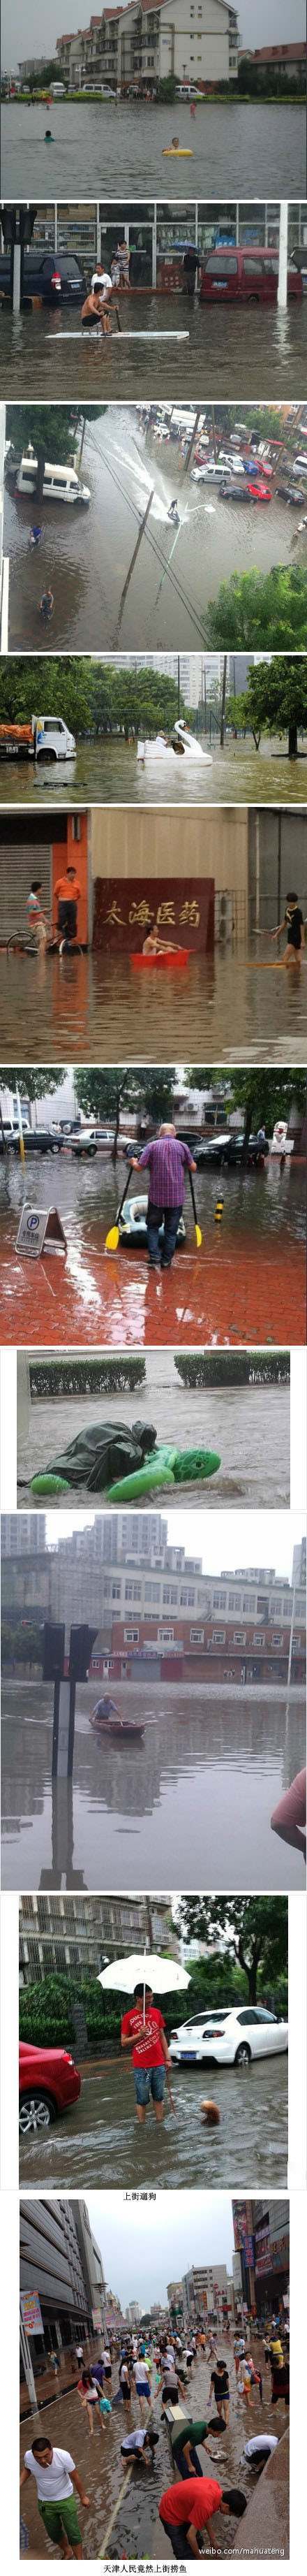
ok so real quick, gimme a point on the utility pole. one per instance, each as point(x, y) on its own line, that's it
point(224, 684)
point(282, 289)
point(133, 561)
point(192, 442)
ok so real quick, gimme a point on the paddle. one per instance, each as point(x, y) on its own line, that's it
point(197, 1226)
point(112, 1239)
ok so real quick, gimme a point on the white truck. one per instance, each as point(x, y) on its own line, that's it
point(43, 738)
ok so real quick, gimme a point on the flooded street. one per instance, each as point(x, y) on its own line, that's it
point(248, 1426)
point(203, 1785)
point(100, 2137)
point(137, 2530)
point(248, 1283)
point(87, 1006)
point(92, 143)
point(85, 552)
point(108, 772)
point(250, 338)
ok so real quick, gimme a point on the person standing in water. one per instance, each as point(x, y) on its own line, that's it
point(68, 893)
point(166, 1156)
point(143, 2030)
point(293, 923)
point(35, 916)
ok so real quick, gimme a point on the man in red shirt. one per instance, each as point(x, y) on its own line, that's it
point(143, 2030)
point(68, 891)
point(187, 2509)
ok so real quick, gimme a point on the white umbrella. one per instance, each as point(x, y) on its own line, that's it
point(163, 1975)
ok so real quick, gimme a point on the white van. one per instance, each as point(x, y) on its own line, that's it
point(61, 483)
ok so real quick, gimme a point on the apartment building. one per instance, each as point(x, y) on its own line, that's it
point(61, 1935)
point(133, 48)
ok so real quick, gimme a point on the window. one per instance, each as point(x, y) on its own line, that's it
point(165, 1637)
point(259, 1637)
point(218, 1636)
point(216, 266)
point(249, 1601)
point(277, 1639)
point(197, 1636)
point(239, 1636)
point(131, 1636)
point(253, 267)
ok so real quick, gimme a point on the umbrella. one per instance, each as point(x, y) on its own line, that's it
point(162, 1974)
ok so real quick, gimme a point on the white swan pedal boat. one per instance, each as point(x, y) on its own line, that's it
point(176, 745)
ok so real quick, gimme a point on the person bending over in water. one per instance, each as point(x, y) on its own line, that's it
point(293, 924)
point(97, 305)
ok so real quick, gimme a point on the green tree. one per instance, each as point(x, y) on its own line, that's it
point(102, 1091)
point(262, 1096)
point(259, 609)
point(275, 699)
point(255, 1930)
point(33, 1082)
point(51, 428)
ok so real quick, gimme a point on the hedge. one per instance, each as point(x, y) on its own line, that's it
point(46, 2007)
point(233, 1368)
point(86, 1377)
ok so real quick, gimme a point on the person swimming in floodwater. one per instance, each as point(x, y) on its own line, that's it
point(293, 923)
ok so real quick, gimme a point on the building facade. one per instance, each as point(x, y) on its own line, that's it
point(71, 1935)
point(53, 2269)
point(262, 2242)
point(133, 48)
point(153, 1603)
point(205, 2291)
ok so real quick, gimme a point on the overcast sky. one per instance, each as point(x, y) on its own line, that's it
point(231, 1540)
point(144, 2244)
point(34, 30)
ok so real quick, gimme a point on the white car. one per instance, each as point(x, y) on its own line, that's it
point(230, 2038)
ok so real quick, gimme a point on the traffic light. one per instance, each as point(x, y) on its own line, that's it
point(81, 1641)
point(17, 224)
point(53, 1651)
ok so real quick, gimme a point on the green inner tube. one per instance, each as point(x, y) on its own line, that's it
point(168, 1467)
point(49, 1485)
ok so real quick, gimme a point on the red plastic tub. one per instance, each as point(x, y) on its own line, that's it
point(180, 957)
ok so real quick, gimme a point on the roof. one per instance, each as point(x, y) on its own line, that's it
point(274, 53)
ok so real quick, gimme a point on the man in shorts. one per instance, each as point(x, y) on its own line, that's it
point(142, 2030)
point(56, 2476)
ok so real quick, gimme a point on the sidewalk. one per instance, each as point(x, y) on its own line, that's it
point(204, 1299)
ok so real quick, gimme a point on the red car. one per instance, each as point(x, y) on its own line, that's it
point(245, 273)
point(48, 2083)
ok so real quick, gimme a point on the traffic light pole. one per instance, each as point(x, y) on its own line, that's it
point(64, 1700)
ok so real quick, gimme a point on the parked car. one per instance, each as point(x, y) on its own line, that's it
point(133, 1224)
point(56, 277)
point(245, 273)
point(248, 490)
point(228, 1149)
point(230, 2038)
point(48, 2084)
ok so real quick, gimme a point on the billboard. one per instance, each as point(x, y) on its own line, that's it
point(31, 2312)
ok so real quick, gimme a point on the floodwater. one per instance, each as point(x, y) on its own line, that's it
point(203, 1784)
point(248, 1284)
point(109, 773)
point(100, 2136)
point(85, 553)
point(253, 345)
point(248, 1427)
point(243, 1008)
point(137, 2531)
point(92, 143)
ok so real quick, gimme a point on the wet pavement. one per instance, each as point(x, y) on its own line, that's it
point(102, 2139)
point(265, 144)
point(205, 1780)
point(249, 1427)
point(246, 1285)
point(137, 2530)
point(109, 773)
point(253, 345)
point(85, 553)
point(239, 1003)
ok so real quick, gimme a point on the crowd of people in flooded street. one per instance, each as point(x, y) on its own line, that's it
point(148, 2382)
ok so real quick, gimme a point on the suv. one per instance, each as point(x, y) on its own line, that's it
point(56, 277)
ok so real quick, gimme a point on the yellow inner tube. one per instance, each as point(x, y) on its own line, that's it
point(182, 154)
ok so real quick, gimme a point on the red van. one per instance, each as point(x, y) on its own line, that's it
point(245, 273)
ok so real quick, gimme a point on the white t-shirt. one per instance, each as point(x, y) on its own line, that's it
point(260, 2442)
point(140, 2373)
point(53, 2481)
point(106, 2357)
point(104, 280)
point(134, 2441)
